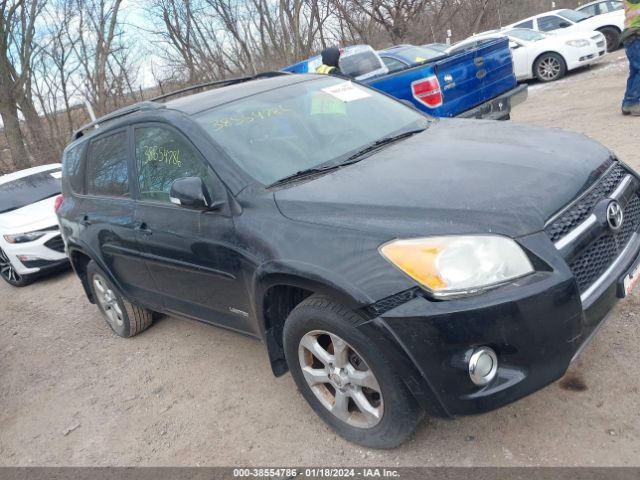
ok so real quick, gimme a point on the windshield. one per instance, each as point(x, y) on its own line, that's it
point(280, 132)
point(27, 190)
point(416, 54)
point(573, 15)
point(526, 35)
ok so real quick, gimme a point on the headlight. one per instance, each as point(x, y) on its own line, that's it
point(458, 265)
point(578, 43)
point(24, 237)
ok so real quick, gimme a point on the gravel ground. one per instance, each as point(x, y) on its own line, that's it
point(183, 393)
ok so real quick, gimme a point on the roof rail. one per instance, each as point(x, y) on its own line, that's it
point(154, 104)
point(220, 83)
point(121, 112)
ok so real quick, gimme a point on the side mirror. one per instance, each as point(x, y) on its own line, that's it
point(191, 192)
point(564, 24)
point(513, 45)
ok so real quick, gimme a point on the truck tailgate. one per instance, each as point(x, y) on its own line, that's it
point(471, 78)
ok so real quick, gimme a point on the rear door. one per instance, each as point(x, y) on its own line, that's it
point(106, 215)
point(190, 254)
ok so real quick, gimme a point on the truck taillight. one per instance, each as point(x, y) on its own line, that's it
point(58, 203)
point(427, 91)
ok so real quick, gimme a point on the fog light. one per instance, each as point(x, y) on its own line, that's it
point(483, 365)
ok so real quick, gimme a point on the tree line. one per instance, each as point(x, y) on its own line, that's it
point(60, 58)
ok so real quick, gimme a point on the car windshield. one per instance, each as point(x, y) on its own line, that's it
point(24, 191)
point(416, 54)
point(573, 16)
point(526, 35)
point(301, 126)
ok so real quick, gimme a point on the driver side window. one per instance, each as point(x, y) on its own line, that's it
point(163, 156)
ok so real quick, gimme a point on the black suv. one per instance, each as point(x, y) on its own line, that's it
point(393, 263)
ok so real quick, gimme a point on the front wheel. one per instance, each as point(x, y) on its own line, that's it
point(612, 37)
point(345, 378)
point(549, 67)
point(9, 273)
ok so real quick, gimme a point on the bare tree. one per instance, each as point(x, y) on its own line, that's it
point(17, 30)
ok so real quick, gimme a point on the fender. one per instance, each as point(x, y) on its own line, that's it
point(301, 275)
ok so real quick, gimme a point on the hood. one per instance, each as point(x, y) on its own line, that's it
point(35, 216)
point(459, 176)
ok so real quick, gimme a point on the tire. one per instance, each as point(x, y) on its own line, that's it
point(9, 273)
point(124, 318)
point(322, 325)
point(612, 37)
point(549, 67)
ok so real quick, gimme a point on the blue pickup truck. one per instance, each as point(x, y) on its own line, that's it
point(478, 83)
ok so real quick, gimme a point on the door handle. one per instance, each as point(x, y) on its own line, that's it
point(85, 221)
point(144, 228)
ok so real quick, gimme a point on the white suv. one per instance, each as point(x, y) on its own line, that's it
point(610, 24)
point(30, 241)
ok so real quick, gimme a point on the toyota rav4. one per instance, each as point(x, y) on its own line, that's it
point(392, 262)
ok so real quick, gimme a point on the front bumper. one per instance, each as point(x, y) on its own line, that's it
point(44, 254)
point(536, 326)
point(581, 57)
point(499, 108)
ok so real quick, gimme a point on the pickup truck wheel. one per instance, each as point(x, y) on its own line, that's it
point(549, 67)
point(123, 317)
point(612, 37)
point(345, 378)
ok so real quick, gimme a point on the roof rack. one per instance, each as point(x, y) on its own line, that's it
point(155, 104)
point(220, 83)
point(121, 112)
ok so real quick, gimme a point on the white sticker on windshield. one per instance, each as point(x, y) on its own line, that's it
point(57, 174)
point(347, 92)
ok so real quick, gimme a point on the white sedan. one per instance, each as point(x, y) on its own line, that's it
point(30, 241)
point(610, 24)
point(544, 57)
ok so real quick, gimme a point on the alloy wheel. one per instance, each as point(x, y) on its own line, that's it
point(108, 300)
point(7, 269)
point(549, 68)
point(340, 379)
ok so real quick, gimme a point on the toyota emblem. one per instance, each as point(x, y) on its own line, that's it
point(615, 216)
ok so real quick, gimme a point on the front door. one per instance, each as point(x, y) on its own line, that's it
point(190, 253)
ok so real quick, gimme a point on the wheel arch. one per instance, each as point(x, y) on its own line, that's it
point(613, 27)
point(79, 257)
point(279, 288)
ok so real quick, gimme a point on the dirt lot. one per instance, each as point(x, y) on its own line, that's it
point(183, 393)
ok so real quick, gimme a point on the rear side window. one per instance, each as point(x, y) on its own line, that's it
point(163, 156)
point(72, 168)
point(107, 166)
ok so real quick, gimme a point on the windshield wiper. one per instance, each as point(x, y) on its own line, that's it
point(379, 144)
point(303, 173)
point(351, 160)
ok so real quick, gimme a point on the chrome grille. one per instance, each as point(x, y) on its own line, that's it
point(591, 263)
point(579, 211)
